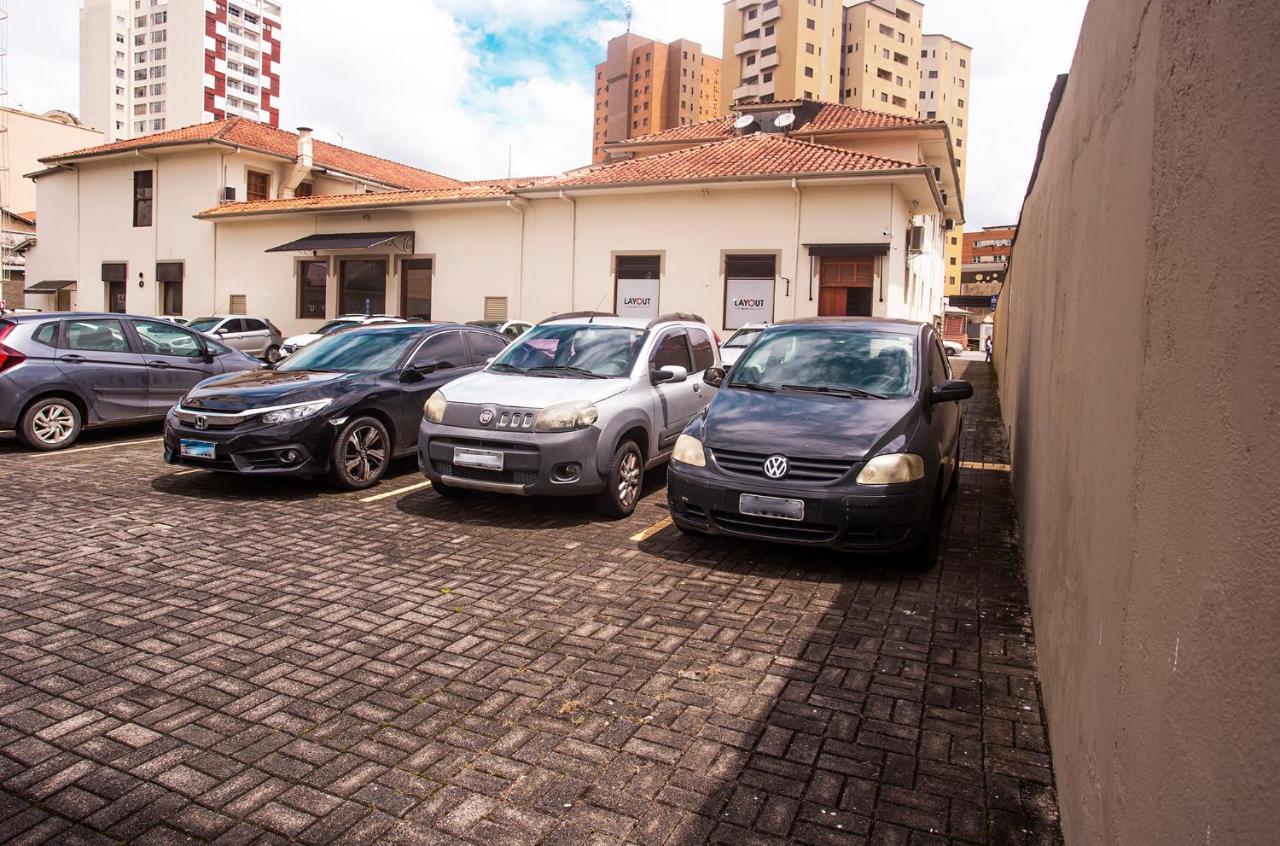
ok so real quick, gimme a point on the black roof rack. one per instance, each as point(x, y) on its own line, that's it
point(674, 317)
point(576, 315)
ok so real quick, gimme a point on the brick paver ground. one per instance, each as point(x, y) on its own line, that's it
point(187, 657)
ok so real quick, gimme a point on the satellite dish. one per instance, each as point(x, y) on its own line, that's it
point(784, 120)
point(744, 121)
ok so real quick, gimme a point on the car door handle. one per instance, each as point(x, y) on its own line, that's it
point(697, 389)
point(72, 359)
point(158, 365)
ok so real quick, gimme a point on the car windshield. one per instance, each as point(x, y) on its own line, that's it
point(742, 338)
point(830, 360)
point(352, 352)
point(334, 325)
point(204, 324)
point(582, 350)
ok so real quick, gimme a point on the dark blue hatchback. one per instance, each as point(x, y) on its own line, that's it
point(842, 433)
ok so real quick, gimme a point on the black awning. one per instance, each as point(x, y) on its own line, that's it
point(348, 241)
point(848, 250)
point(48, 286)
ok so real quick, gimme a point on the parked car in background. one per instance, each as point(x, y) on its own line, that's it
point(952, 347)
point(739, 341)
point(509, 328)
point(344, 406)
point(61, 373)
point(256, 336)
point(345, 321)
point(841, 432)
point(580, 404)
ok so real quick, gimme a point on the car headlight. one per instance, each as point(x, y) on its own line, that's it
point(435, 407)
point(290, 413)
point(566, 417)
point(892, 469)
point(688, 450)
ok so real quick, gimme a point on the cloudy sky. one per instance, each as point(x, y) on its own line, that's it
point(453, 85)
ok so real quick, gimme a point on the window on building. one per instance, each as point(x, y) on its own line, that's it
point(313, 286)
point(169, 274)
point(157, 125)
point(143, 186)
point(257, 186)
point(159, 17)
point(159, 36)
point(811, 23)
point(362, 286)
point(808, 72)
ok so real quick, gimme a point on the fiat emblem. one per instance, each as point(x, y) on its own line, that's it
point(775, 467)
point(486, 417)
point(201, 421)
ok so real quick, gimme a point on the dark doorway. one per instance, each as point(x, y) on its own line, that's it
point(362, 286)
point(415, 288)
point(845, 286)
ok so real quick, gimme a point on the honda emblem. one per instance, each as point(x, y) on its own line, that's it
point(201, 422)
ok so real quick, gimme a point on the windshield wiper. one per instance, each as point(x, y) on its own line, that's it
point(753, 386)
point(835, 392)
point(567, 368)
point(502, 365)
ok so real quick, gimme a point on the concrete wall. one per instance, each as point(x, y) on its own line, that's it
point(1136, 344)
point(30, 138)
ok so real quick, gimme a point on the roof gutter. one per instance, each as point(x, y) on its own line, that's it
point(783, 179)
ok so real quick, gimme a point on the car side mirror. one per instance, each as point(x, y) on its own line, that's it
point(671, 374)
point(715, 376)
point(221, 330)
point(952, 390)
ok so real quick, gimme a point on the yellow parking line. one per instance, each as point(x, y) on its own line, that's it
point(92, 448)
point(652, 530)
point(396, 492)
point(984, 465)
point(189, 472)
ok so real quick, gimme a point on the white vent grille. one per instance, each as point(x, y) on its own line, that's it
point(239, 304)
point(495, 308)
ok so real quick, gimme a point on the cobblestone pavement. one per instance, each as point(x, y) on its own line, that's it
point(187, 657)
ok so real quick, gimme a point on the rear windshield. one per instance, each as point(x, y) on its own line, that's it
point(204, 324)
point(875, 362)
point(334, 325)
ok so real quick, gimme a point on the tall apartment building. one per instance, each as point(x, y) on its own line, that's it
point(152, 65)
point(645, 86)
point(872, 55)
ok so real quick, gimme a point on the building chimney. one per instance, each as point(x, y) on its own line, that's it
point(302, 166)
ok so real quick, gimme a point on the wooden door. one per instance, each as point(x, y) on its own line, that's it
point(845, 287)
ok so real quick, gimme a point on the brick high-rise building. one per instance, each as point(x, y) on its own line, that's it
point(645, 86)
point(152, 65)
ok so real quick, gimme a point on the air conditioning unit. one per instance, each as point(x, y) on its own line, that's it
point(229, 194)
point(915, 240)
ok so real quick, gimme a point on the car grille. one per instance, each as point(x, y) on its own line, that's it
point(777, 529)
point(213, 420)
point(476, 474)
point(814, 470)
point(482, 443)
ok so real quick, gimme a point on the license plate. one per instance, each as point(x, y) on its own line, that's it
point(481, 459)
point(771, 506)
point(198, 449)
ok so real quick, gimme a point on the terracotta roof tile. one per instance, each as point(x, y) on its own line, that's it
point(356, 201)
point(242, 132)
point(746, 156)
point(831, 117)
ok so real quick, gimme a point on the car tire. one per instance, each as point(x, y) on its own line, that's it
point(360, 455)
point(272, 355)
point(925, 556)
point(50, 424)
point(623, 483)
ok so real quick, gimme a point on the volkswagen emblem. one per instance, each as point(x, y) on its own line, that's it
point(486, 417)
point(776, 466)
point(201, 422)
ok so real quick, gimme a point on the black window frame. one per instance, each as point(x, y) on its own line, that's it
point(680, 333)
point(463, 348)
point(144, 183)
point(170, 281)
point(304, 289)
point(478, 357)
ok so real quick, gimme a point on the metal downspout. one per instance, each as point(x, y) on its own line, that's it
point(573, 250)
point(518, 205)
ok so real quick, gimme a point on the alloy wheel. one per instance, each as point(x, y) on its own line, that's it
point(364, 453)
point(629, 479)
point(53, 424)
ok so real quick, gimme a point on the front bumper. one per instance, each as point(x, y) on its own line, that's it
point(256, 451)
point(846, 516)
point(534, 464)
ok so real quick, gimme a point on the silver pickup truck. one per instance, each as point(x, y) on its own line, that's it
point(580, 404)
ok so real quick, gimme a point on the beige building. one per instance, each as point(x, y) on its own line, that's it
point(946, 66)
point(881, 51)
point(780, 50)
point(644, 86)
point(27, 138)
point(843, 216)
point(148, 66)
point(1136, 347)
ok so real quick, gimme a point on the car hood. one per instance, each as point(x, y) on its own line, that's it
point(302, 340)
point(514, 390)
point(265, 388)
point(808, 425)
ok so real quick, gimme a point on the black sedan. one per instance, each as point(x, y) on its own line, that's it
point(344, 406)
point(842, 433)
